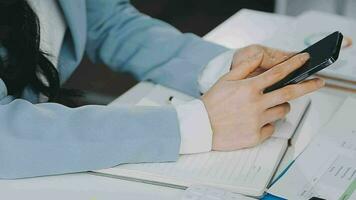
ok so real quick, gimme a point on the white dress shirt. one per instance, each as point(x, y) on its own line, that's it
point(52, 27)
point(195, 128)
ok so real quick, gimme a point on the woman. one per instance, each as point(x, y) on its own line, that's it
point(39, 136)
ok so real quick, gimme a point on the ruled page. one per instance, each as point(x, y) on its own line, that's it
point(246, 171)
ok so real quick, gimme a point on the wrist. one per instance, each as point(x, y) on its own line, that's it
point(215, 69)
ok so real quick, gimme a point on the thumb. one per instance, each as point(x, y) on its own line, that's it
point(243, 69)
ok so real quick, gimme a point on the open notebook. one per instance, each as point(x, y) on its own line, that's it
point(246, 171)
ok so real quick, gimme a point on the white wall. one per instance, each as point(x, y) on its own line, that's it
point(351, 8)
point(295, 7)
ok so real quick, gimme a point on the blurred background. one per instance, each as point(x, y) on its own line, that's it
point(197, 16)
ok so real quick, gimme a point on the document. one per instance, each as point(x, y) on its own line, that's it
point(327, 168)
point(321, 171)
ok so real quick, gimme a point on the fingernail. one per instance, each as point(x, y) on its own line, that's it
point(305, 56)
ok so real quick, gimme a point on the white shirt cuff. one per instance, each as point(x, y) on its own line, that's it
point(194, 123)
point(215, 69)
point(195, 129)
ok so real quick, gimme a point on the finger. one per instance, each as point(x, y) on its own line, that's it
point(275, 113)
point(266, 132)
point(280, 71)
point(273, 57)
point(258, 71)
point(291, 92)
point(244, 68)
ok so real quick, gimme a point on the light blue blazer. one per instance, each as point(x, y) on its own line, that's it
point(38, 139)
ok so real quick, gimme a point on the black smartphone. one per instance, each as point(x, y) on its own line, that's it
point(322, 54)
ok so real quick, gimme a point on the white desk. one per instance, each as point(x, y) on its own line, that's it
point(245, 27)
point(82, 186)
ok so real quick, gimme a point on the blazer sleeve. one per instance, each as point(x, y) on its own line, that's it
point(48, 138)
point(126, 40)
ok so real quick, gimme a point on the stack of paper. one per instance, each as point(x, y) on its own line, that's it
point(311, 27)
point(327, 168)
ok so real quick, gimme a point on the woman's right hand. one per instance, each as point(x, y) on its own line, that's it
point(241, 115)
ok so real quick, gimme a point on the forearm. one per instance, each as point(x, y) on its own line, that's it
point(46, 139)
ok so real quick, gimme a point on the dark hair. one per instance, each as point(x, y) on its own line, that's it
point(26, 63)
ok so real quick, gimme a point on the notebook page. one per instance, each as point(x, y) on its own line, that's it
point(246, 171)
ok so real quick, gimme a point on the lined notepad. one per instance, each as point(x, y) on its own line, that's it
point(246, 171)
